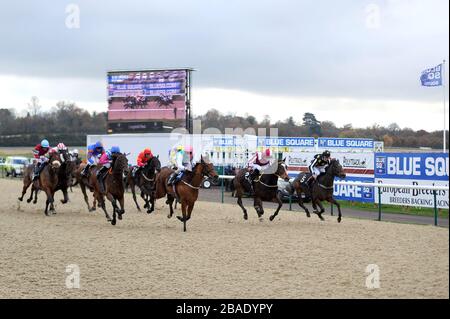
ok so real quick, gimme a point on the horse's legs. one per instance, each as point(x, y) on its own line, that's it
point(322, 210)
point(133, 191)
point(36, 190)
point(169, 201)
point(239, 202)
point(115, 208)
point(102, 204)
point(189, 210)
point(24, 190)
point(31, 195)
point(280, 203)
point(48, 201)
point(66, 196)
point(300, 202)
point(144, 198)
point(86, 198)
point(152, 202)
point(333, 201)
point(257, 203)
point(183, 210)
point(121, 211)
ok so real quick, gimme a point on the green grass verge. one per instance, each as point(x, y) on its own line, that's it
point(408, 210)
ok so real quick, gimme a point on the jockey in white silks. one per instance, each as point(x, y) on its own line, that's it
point(183, 161)
point(258, 163)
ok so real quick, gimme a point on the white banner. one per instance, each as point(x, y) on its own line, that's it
point(412, 197)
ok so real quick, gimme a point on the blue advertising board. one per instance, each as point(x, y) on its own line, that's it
point(359, 143)
point(304, 142)
point(224, 141)
point(353, 192)
point(418, 166)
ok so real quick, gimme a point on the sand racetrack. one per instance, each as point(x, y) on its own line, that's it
point(220, 256)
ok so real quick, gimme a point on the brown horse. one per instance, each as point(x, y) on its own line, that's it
point(86, 182)
point(48, 181)
point(114, 187)
point(186, 190)
point(265, 188)
point(321, 189)
point(64, 178)
point(146, 181)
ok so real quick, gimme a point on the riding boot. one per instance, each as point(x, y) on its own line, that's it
point(171, 178)
point(36, 172)
point(85, 170)
point(101, 177)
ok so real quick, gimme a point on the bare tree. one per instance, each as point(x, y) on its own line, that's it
point(34, 106)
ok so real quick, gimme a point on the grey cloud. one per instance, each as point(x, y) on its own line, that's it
point(294, 48)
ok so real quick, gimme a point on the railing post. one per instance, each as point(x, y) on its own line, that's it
point(221, 187)
point(379, 203)
point(435, 209)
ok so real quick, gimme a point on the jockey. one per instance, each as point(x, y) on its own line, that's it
point(318, 165)
point(75, 156)
point(95, 152)
point(142, 160)
point(173, 155)
point(258, 164)
point(60, 147)
point(39, 153)
point(105, 160)
point(183, 162)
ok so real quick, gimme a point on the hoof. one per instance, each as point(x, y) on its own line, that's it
point(149, 211)
point(271, 218)
point(245, 216)
point(119, 216)
point(113, 222)
point(20, 199)
point(339, 219)
point(180, 218)
point(29, 200)
point(308, 214)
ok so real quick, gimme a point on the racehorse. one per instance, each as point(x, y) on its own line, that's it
point(146, 182)
point(265, 188)
point(186, 190)
point(321, 189)
point(114, 187)
point(64, 179)
point(48, 181)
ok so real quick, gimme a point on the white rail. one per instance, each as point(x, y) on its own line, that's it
point(378, 185)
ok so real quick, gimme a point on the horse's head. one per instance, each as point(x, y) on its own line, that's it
point(54, 160)
point(155, 163)
point(207, 169)
point(120, 162)
point(64, 155)
point(282, 169)
point(337, 169)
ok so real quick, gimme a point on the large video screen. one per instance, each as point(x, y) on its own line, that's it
point(147, 95)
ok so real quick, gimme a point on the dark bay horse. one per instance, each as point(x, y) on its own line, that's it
point(48, 181)
point(64, 178)
point(146, 181)
point(265, 188)
point(114, 187)
point(186, 190)
point(322, 188)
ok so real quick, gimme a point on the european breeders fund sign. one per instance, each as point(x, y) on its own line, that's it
point(412, 169)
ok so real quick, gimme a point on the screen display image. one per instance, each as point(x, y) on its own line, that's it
point(147, 95)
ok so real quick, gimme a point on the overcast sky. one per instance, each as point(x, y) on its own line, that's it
point(355, 62)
